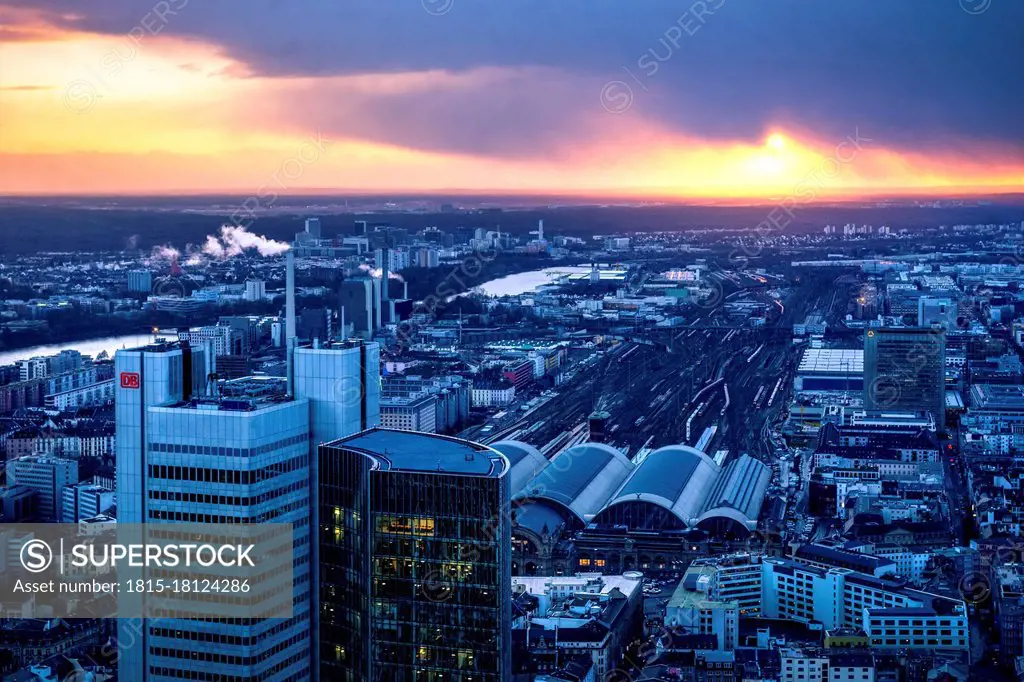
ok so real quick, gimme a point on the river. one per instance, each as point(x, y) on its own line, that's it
point(91, 347)
point(523, 282)
point(511, 285)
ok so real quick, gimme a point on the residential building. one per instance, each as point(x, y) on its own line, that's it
point(255, 290)
point(140, 281)
point(19, 503)
point(936, 311)
point(692, 609)
point(491, 394)
point(891, 615)
point(519, 373)
point(33, 368)
point(94, 394)
point(84, 500)
point(1008, 605)
point(47, 476)
point(225, 340)
point(452, 395)
point(804, 665)
point(587, 616)
point(392, 260)
point(426, 258)
point(409, 414)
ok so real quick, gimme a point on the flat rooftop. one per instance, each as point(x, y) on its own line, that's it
point(997, 397)
point(396, 450)
point(333, 345)
point(689, 595)
point(588, 583)
point(161, 345)
point(832, 361)
point(232, 403)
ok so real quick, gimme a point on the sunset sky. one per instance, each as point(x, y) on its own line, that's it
point(722, 98)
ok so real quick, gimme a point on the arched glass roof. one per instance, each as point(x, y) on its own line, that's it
point(526, 460)
point(676, 477)
point(739, 492)
point(588, 479)
point(581, 478)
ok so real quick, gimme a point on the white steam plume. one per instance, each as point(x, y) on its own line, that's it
point(194, 256)
point(234, 240)
point(377, 272)
point(163, 253)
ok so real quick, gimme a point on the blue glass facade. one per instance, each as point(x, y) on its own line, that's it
point(415, 559)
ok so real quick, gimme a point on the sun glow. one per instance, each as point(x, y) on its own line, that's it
point(777, 142)
point(86, 113)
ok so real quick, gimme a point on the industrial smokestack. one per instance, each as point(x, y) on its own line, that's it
point(384, 275)
point(289, 295)
point(289, 312)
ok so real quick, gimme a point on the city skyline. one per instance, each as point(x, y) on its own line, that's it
point(621, 459)
point(532, 341)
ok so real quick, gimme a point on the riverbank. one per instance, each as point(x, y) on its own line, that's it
point(518, 276)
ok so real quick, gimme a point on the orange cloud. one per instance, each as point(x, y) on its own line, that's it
point(24, 25)
point(85, 113)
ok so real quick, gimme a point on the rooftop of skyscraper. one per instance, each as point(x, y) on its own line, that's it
point(161, 345)
point(254, 386)
point(394, 450)
point(233, 404)
point(333, 344)
point(245, 394)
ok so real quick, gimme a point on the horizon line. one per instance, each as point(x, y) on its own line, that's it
point(597, 196)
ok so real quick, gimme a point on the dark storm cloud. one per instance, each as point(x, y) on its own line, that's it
point(918, 74)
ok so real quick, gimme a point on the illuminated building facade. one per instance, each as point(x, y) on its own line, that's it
point(415, 559)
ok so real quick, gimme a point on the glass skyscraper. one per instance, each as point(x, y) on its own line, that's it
point(184, 456)
point(414, 559)
point(905, 369)
point(249, 457)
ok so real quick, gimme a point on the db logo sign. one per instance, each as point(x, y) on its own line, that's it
point(130, 380)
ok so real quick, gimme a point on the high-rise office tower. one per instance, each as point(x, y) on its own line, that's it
point(360, 299)
point(249, 457)
point(341, 381)
point(187, 457)
point(313, 228)
point(382, 286)
point(159, 374)
point(905, 369)
point(414, 559)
